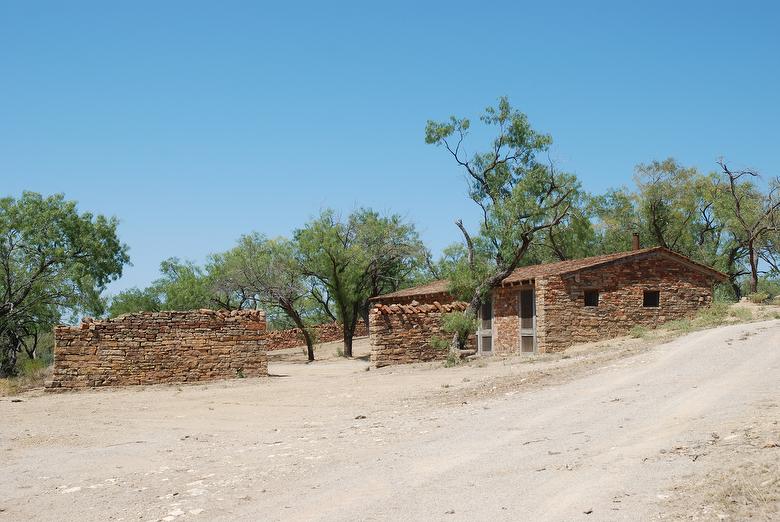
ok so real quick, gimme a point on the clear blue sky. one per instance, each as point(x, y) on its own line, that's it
point(195, 122)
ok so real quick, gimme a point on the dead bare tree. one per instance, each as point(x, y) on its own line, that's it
point(755, 215)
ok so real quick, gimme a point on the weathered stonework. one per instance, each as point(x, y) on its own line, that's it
point(325, 333)
point(401, 334)
point(160, 347)
point(563, 320)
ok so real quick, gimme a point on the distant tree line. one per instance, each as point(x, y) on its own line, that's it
point(327, 271)
point(55, 262)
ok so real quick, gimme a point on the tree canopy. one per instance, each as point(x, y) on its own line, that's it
point(266, 272)
point(53, 260)
point(351, 260)
point(520, 196)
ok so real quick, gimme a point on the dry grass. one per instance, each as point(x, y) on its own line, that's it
point(744, 483)
point(31, 379)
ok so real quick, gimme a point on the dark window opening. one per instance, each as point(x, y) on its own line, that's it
point(651, 299)
point(591, 297)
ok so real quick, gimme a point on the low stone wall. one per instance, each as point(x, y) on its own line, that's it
point(160, 347)
point(327, 332)
point(401, 333)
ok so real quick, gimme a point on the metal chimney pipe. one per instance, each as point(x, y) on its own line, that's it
point(635, 241)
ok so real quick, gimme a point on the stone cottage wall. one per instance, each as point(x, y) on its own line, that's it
point(563, 320)
point(160, 347)
point(327, 332)
point(401, 334)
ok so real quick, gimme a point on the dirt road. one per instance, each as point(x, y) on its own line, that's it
point(681, 430)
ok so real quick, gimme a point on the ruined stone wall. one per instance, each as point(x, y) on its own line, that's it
point(563, 320)
point(401, 333)
point(160, 347)
point(325, 333)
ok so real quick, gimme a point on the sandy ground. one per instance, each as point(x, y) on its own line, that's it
point(625, 430)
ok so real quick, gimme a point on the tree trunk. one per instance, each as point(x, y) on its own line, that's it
point(293, 314)
point(347, 342)
point(753, 260)
point(8, 361)
point(309, 344)
point(735, 287)
point(32, 351)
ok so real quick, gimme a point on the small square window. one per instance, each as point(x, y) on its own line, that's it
point(651, 299)
point(591, 297)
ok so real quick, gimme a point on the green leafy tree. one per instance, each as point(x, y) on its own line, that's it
point(518, 195)
point(669, 204)
point(53, 260)
point(267, 273)
point(350, 261)
point(615, 214)
point(573, 237)
point(183, 286)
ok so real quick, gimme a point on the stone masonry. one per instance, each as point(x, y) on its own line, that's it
point(401, 326)
point(401, 333)
point(160, 347)
point(563, 320)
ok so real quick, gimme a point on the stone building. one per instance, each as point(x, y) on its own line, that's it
point(548, 307)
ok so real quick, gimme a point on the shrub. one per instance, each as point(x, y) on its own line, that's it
point(638, 332)
point(452, 360)
point(713, 315)
point(461, 324)
point(743, 314)
point(439, 343)
point(758, 297)
point(680, 325)
point(724, 293)
point(776, 300)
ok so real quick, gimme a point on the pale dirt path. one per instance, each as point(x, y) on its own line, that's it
point(615, 435)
